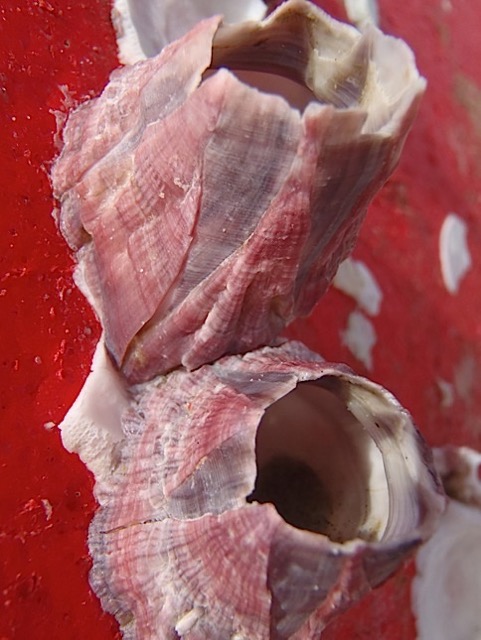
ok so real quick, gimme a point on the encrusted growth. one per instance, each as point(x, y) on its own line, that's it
point(210, 194)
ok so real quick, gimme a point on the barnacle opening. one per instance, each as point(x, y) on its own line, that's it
point(319, 466)
point(297, 95)
point(299, 53)
point(274, 61)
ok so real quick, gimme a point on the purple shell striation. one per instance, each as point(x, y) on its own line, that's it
point(254, 498)
point(211, 192)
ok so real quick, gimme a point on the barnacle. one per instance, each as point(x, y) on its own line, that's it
point(246, 491)
point(253, 498)
point(206, 213)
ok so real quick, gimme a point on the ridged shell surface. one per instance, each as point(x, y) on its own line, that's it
point(211, 191)
point(209, 195)
point(254, 498)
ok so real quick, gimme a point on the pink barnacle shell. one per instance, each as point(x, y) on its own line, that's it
point(255, 498)
point(210, 192)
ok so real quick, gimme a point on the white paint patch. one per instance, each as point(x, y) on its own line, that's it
point(446, 596)
point(360, 337)
point(92, 425)
point(453, 252)
point(362, 11)
point(47, 507)
point(144, 27)
point(355, 279)
point(446, 390)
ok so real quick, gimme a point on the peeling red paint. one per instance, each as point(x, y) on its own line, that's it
point(55, 54)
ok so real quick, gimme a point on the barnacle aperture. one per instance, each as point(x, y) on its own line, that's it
point(316, 463)
point(183, 523)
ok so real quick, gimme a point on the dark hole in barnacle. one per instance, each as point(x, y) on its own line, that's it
point(314, 463)
point(282, 481)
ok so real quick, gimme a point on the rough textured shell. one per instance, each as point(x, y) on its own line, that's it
point(447, 588)
point(188, 543)
point(207, 213)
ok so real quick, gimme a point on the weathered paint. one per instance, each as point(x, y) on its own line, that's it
point(454, 254)
point(423, 332)
point(355, 279)
point(360, 338)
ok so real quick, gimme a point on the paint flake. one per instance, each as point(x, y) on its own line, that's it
point(447, 392)
point(360, 337)
point(47, 507)
point(454, 252)
point(355, 279)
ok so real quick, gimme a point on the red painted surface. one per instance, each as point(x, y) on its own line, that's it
point(55, 53)
point(48, 332)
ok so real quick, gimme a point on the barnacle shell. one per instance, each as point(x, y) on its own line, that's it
point(144, 27)
point(210, 194)
point(447, 587)
point(207, 213)
point(254, 498)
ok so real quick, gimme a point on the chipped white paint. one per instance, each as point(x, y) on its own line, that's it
point(362, 11)
point(465, 375)
point(144, 27)
point(446, 593)
point(47, 507)
point(49, 425)
point(447, 392)
point(92, 425)
point(187, 621)
point(360, 337)
point(355, 279)
point(453, 252)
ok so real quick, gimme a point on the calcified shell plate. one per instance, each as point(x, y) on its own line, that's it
point(144, 27)
point(211, 192)
point(254, 498)
point(447, 587)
